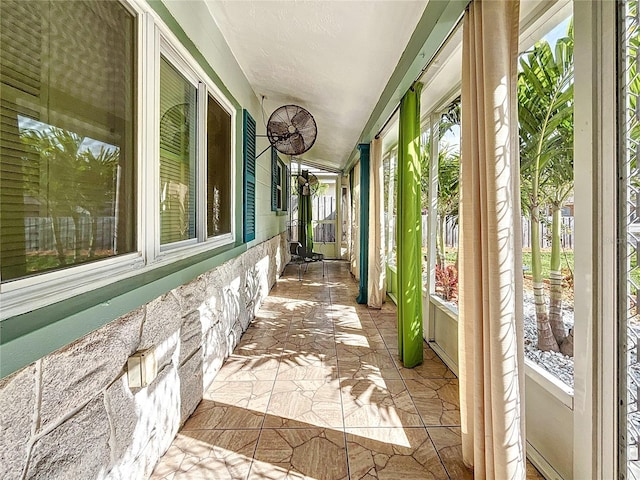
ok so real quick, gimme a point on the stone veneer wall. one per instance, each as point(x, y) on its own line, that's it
point(72, 415)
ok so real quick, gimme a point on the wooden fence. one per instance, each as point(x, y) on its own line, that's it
point(566, 233)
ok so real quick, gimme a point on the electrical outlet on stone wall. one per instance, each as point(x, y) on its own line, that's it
point(142, 368)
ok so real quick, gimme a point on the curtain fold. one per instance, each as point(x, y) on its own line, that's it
point(346, 219)
point(377, 287)
point(409, 235)
point(491, 345)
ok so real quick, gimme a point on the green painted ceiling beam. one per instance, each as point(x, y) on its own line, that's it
point(437, 21)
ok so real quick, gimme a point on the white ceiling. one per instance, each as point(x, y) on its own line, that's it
point(333, 58)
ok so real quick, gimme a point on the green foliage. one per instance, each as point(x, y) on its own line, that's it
point(71, 181)
point(71, 178)
point(545, 113)
point(545, 258)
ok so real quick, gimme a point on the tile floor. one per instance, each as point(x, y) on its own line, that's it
point(315, 390)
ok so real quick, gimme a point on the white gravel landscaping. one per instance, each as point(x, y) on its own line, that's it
point(559, 365)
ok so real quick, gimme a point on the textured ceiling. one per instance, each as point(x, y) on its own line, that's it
point(333, 58)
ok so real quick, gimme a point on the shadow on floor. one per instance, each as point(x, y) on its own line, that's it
point(315, 390)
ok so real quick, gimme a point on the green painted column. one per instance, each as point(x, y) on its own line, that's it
point(305, 223)
point(409, 235)
point(364, 223)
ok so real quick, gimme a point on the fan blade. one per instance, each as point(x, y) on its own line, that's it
point(276, 130)
point(313, 180)
point(301, 180)
point(301, 119)
point(297, 143)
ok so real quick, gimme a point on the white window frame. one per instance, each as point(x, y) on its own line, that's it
point(172, 50)
point(153, 38)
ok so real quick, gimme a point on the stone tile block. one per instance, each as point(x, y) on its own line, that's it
point(215, 351)
point(17, 404)
point(209, 315)
point(233, 337)
point(142, 424)
point(231, 305)
point(190, 335)
point(159, 407)
point(77, 448)
point(161, 327)
point(123, 418)
point(191, 387)
point(191, 295)
point(74, 374)
point(163, 319)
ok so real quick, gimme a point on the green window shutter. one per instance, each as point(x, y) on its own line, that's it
point(249, 150)
point(287, 188)
point(274, 179)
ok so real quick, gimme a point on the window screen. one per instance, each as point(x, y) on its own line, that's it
point(177, 156)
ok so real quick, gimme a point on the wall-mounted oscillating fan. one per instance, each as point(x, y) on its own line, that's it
point(291, 130)
point(308, 183)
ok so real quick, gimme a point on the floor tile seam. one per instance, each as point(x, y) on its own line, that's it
point(344, 428)
point(312, 427)
point(406, 387)
point(444, 466)
point(233, 429)
point(264, 418)
point(444, 425)
point(416, 427)
point(420, 413)
point(413, 401)
point(273, 385)
point(381, 427)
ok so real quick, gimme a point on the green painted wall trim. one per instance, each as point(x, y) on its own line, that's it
point(28, 337)
point(364, 223)
point(437, 21)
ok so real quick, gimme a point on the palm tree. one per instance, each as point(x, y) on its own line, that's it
point(57, 151)
point(72, 181)
point(97, 185)
point(545, 106)
point(448, 176)
point(448, 195)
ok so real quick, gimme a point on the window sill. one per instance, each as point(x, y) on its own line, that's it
point(555, 387)
point(443, 306)
point(548, 382)
point(25, 295)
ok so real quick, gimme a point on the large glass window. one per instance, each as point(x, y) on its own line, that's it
point(67, 166)
point(629, 245)
point(218, 169)
point(545, 110)
point(447, 204)
point(390, 171)
point(178, 130)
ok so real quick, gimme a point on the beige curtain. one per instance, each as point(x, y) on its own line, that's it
point(346, 217)
point(491, 342)
point(376, 285)
point(355, 222)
